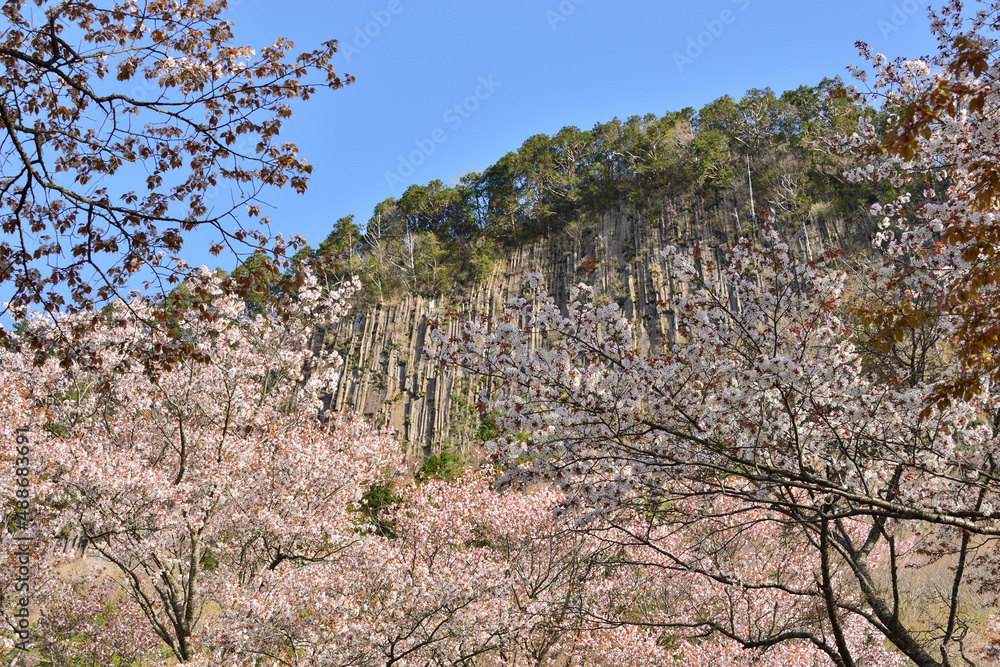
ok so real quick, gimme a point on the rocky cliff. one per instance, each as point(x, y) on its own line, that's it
point(616, 251)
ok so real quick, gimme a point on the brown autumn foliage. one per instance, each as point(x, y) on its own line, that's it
point(943, 135)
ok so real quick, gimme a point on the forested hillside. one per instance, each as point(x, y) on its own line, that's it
point(737, 156)
point(582, 206)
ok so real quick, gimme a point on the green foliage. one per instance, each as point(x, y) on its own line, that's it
point(343, 242)
point(446, 466)
point(375, 507)
point(208, 561)
point(484, 258)
point(438, 238)
point(710, 161)
point(436, 208)
point(488, 429)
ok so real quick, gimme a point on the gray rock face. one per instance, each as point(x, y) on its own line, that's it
point(617, 251)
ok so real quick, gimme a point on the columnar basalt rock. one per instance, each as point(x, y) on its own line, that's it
point(617, 251)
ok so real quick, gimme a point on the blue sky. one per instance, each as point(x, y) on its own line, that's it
point(521, 67)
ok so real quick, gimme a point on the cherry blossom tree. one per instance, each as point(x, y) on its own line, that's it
point(470, 574)
point(477, 576)
point(86, 618)
point(767, 401)
point(125, 126)
point(939, 151)
point(223, 510)
point(197, 479)
point(763, 401)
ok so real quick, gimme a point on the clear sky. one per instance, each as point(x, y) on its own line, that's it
point(522, 67)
